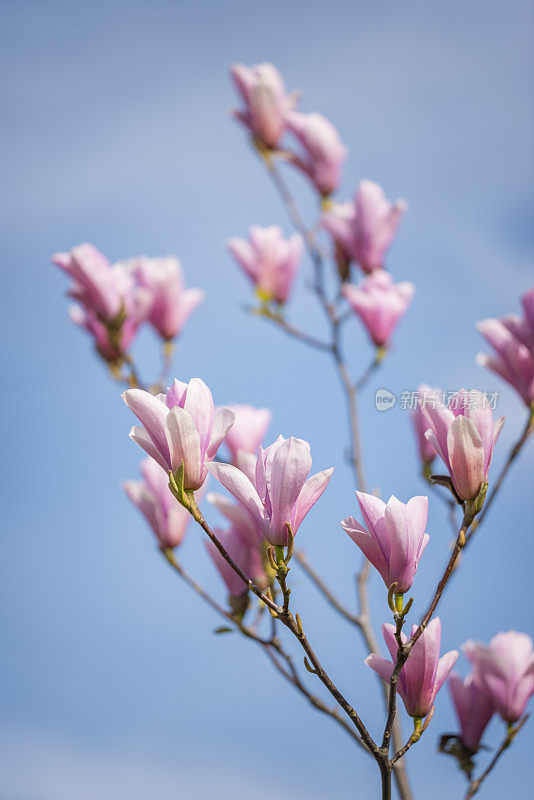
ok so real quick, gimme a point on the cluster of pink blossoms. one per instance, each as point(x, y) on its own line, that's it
point(114, 300)
point(182, 429)
point(361, 231)
point(502, 683)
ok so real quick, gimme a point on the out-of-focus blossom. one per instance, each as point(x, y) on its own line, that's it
point(379, 303)
point(152, 496)
point(248, 431)
point(112, 305)
point(324, 152)
point(463, 434)
point(238, 517)
point(425, 394)
point(266, 101)
point(246, 556)
point(512, 338)
point(95, 285)
point(474, 708)
point(423, 674)
point(270, 261)
point(506, 668)
point(394, 538)
point(280, 491)
point(180, 427)
point(171, 304)
point(110, 351)
point(363, 230)
point(245, 545)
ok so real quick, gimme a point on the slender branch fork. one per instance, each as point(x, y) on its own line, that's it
point(292, 623)
point(271, 647)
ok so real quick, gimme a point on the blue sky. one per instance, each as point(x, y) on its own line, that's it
point(116, 131)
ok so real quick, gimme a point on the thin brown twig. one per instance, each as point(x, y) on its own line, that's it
point(405, 648)
point(168, 553)
point(268, 645)
point(288, 620)
point(291, 330)
point(294, 678)
point(413, 738)
point(199, 518)
point(474, 785)
point(371, 369)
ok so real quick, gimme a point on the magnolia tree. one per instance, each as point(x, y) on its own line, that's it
point(269, 488)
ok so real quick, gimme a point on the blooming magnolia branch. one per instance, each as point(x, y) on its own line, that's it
point(181, 432)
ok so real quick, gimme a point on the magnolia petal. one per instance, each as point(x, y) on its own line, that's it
point(184, 443)
point(199, 406)
point(141, 437)
point(309, 494)
point(222, 422)
point(380, 665)
point(290, 467)
point(242, 489)
point(152, 414)
point(368, 545)
point(466, 457)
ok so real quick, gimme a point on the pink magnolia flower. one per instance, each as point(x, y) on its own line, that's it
point(474, 708)
point(425, 394)
point(95, 284)
point(180, 427)
point(379, 303)
point(364, 229)
point(464, 435)
point(512, 338)
point(109, 298)
point(248, 431)
point(280, 491)
point(424, 673)
point(324, 152)
point(154, 500)
point(270, 261)
point(394, 538)
point(505, 668)
point(266, 101)
point(171, 304)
